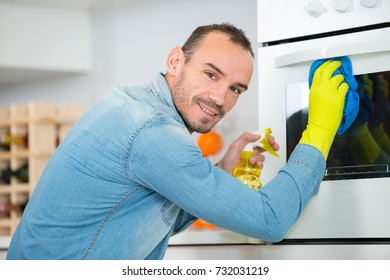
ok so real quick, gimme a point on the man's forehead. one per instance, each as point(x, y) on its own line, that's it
point(215, 36)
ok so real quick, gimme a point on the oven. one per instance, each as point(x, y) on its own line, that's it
point(352, 206)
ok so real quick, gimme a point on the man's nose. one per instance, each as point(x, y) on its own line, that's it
point(218, 95)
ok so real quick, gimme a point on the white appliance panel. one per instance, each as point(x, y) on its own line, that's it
point(280, 19)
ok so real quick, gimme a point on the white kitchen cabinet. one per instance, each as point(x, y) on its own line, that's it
point(75, 4)
point(41, 41)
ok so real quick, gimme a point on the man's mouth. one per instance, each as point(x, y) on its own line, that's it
point(207, 111)
point(210, 108)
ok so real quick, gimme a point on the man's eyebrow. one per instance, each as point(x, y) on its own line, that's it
point(245, 87)
point(216, 68)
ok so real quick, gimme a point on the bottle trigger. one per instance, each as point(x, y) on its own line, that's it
point(265, 143)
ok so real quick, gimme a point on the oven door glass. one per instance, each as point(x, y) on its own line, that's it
point(363, 151)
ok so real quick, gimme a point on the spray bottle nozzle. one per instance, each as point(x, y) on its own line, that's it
point(266, 145)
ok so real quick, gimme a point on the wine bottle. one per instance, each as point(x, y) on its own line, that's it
point(6, 208)
point(21, 174)
point(7, 140)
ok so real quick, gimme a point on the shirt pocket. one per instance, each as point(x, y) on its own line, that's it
point(169, 212)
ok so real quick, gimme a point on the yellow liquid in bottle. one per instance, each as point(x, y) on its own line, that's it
point(247, 173)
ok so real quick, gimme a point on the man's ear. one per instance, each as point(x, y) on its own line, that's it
point(175, 60)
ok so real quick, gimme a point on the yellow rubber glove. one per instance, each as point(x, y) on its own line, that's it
point(326, 103)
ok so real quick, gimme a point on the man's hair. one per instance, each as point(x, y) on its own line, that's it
point(235, 34)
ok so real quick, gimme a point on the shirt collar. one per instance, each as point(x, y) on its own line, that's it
point(161, 89)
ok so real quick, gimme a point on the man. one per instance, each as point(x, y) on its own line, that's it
point(128, 175)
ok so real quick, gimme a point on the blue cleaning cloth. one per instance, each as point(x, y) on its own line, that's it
point(351, 105)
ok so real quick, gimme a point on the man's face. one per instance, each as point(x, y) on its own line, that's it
point(208, 86)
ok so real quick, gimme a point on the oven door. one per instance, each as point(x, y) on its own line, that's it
point(353, 198)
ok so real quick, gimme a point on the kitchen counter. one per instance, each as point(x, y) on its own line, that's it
point(209, 237)
point(193, 243)
point(4, 242)
point(188, 237)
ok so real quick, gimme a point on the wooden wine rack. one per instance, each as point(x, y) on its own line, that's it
point(46, 125)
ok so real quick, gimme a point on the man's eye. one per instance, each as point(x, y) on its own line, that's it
point(235, 90)
point(211, 75)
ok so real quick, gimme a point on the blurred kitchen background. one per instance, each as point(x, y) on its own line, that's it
point(55, 52)
point(75, 51)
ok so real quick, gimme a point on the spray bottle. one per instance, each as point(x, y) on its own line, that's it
point(248, 173)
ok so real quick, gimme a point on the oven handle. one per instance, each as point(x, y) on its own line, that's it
point(329, 52)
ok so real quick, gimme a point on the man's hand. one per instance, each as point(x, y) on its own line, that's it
point(232, 155)
point(326, 103)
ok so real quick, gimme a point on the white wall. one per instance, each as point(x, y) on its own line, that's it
point(46, 38)
point(130, 45)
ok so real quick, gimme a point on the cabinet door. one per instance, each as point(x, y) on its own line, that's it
point(46, 42)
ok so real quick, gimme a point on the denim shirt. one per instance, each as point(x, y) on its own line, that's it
point(129, 175)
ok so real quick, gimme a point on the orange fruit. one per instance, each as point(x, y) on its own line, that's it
point(200, 224)
point(210, 143)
